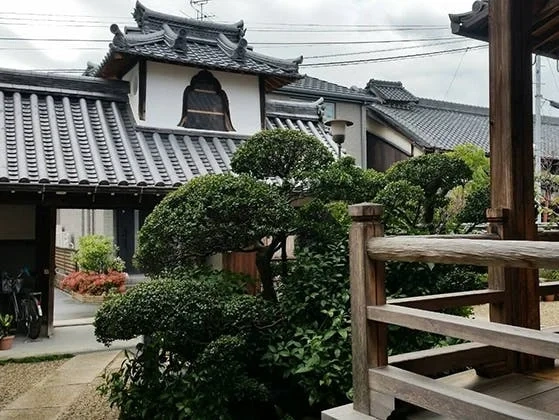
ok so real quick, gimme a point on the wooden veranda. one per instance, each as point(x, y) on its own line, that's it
point(510, 348)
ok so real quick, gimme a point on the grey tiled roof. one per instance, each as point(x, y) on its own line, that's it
point(445, 125)
point(82, 133)
point(301, 116)
point(390, 92)
point(177, 157)
point(181, 40)
point(314, 86)
point(69, 136)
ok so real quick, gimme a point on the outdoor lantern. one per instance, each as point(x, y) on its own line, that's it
point(338, 128)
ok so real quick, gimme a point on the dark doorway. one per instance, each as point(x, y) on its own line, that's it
point(125, 237)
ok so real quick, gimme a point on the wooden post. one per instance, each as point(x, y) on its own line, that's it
point(512, 164)
point(369, 339)
point(46, 248)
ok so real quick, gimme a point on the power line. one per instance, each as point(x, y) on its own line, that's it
point(309, 57)
point(9, 38)
point(340, 63)
point(385, 41)
point(456, 72)
point(64, 15)
point(386, 29)
point(392, 58)
point(57, 16)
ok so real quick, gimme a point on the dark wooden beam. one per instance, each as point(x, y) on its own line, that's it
point(142, 83)
point(262, 89)
point(45, 227)
point(74, 200)
point(512, 173)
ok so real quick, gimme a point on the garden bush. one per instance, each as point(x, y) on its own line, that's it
point(94, 283)
point(100, 270)
point(201, 358)
point(97, 254)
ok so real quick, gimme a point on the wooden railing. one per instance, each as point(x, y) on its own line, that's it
point(378, 381)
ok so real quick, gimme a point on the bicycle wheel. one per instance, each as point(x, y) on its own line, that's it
point(33, 319)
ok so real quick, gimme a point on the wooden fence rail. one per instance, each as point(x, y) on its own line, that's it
point(521, 254)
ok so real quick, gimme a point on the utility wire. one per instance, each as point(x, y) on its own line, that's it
point(310, 57)
point(385, 41)
point(343, 63)
point(57, 16)
point(392, 58)
point(456, 72)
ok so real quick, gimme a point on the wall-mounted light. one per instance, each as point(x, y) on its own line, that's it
point(338, 129)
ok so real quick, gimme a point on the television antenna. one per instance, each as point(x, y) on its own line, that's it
point(198, 5)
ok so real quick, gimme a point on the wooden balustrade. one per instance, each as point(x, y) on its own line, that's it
point(377, 385)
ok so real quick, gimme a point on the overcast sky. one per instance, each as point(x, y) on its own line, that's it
point(460, 77)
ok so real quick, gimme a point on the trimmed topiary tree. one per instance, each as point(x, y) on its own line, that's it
point(211, 215)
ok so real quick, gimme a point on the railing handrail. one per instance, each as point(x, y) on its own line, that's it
point(521, 254)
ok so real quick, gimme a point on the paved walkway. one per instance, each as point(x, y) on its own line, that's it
point(67, 309)
point(65, 340)
point(58, 391)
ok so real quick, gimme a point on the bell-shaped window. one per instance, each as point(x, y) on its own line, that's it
point(205, 105)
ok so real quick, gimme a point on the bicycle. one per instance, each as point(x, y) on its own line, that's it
point(26, 305)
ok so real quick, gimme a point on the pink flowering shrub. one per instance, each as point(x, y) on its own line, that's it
point(94, 283)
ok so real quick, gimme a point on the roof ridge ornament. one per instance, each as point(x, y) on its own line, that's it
point(119, 39)
point(180, 43)
point(239, 54)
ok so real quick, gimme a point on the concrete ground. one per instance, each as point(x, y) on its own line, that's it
point(68, 310)
point(58, 391)
point(74, 339)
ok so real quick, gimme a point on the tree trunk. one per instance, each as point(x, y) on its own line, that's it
point(263, 263)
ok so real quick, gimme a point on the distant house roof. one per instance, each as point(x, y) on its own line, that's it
point(442, 125)
point(311, 86)
point(390, 92)
point(81, 133)
point(179, 40)
point(303, 116)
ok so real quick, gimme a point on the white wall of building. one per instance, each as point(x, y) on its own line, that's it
point(353, 144)
point(165, 84)
point(17, 222)
point(132, 77)
point(392, 136)
point(72, 224)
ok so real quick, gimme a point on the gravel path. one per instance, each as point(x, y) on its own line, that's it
point(17, 378)
point(549, 313)
point(91, 405)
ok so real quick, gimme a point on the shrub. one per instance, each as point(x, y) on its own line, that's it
point(312, 349)
point(200, 360)
point(97, 254)
point(93, 283)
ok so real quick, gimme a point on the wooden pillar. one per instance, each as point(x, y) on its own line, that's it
point(369, 339)
point(46, 246)
point(511, 140)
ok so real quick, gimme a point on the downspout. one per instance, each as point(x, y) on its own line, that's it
point(364, 163)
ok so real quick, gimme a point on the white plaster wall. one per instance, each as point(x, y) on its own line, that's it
point(132, 77)
point(165, 85)
point(75, 223)
point(17, 222)
point(353, 140)
point(392, 136)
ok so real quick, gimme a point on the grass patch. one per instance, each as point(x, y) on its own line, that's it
point(37, 359)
